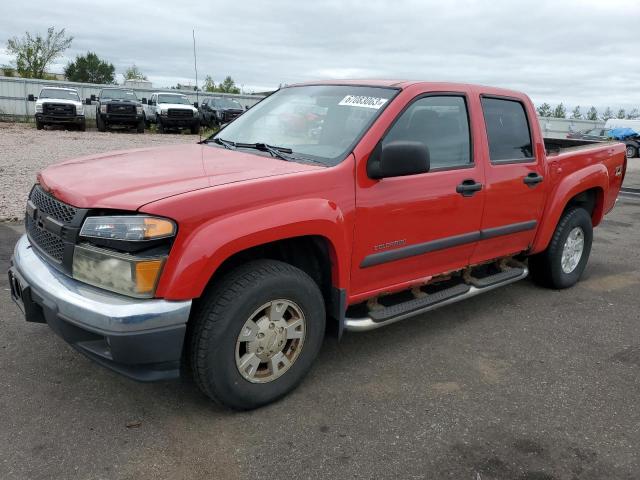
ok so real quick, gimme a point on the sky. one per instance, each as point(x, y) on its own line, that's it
point(579, 52)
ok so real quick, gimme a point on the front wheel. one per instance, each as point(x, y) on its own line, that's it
point(195, 128)
point(256, 334)
point(631, 151)
point(39, 125)
point(159, 125)
point(100, 124)
point(562, 263)
point(140, 126)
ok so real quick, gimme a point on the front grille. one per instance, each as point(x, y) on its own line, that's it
point(179, 113)
point(53, 227)
point(55, 208)
point(121, 109)
point(46, 241)
point(60, 109)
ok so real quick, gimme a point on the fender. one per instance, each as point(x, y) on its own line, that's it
point(593, 176)
point(204, 249)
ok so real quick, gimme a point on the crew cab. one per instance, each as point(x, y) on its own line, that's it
point(119, 107)
point(172, 111)
point(233, 254)
point(217, 111)
point(59, 106)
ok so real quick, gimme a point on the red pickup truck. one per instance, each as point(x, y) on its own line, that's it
point(359, 203)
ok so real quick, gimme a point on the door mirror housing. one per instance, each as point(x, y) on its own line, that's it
point(94, 98)
point(87, 101)
point(144, 101)
point(398, 159)
point(31, 98)
point(195, 104)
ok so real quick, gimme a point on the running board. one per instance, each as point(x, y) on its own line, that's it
point(395, 313)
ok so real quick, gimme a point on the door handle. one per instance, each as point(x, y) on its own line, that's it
point(533, 179)
point(468, 187)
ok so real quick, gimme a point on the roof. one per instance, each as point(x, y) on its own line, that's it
point(60, 88)
point(402, 84)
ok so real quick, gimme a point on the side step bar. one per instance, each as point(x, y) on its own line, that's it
point(395, 313)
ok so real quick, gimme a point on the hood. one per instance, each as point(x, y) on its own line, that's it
point(64, 101)
point(180, 106)
point(128, 179)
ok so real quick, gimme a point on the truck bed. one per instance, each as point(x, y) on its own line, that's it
point(556, 146)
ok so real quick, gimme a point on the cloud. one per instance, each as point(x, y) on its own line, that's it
point(576, 51)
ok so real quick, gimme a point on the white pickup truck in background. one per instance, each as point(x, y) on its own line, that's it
point(171, 111)
point(59, 106)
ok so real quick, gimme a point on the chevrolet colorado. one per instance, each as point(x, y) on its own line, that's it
point(230, 256)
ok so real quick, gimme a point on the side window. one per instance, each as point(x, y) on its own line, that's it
point(507, 130)
point(442, 124)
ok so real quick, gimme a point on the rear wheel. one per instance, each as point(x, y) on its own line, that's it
point(562, 263)
point(256, 334)
point(631, 151)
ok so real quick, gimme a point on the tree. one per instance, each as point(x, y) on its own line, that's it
point(621, 113)
point(544, 110)
point(559, 111)
point(592, 114)
point(209, 85)
point(607, 114)
point(576, 113)
point(90, 69)
point(633, 114)
point(228, 86)
point(34, 53)
point(133, 73)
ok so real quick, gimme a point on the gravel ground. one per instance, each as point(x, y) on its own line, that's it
point(24, 151)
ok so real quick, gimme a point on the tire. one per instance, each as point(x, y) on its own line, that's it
point(547, 267)
point(220, 318)
point(195, 129)
point(159, 125)
point(140, 126)
point(39, 125)
point(631, 151)
point(100, 124)
point(82, 126)
point(147, 123)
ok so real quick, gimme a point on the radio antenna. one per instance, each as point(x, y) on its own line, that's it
point(195, 67)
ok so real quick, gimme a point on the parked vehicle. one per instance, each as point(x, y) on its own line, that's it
point(595, 134)
point(59, 106)
point(119, 107)
point(234, 253)
point(172, 111)
point(632, 144)
point(217, 111)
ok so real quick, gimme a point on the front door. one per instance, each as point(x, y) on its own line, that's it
point(412, 227)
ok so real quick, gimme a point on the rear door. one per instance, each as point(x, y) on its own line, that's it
point(514, 175)
point(409, 228)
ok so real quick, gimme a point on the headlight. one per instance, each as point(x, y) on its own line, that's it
point(139, 110)
point(118, 272)
point(38, 107)
point(130, 228)
point(195, 113)
point(80, 110)
point(103, 109)
point(163, 112)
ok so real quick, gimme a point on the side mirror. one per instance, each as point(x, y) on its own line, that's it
point(144, 101)
point(195, 104)
point(31, 98)
point(398, 159)
point(93, 98)
point(87, 101)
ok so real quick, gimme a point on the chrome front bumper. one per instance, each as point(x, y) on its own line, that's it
point(140, 338)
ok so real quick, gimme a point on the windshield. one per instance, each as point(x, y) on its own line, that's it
point(227, 103)
point(119, 95)
point(169, 98)
point(59, 94)
point(321, 122)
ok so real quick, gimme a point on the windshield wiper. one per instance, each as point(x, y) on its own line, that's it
point(225, 143)
point(273, 150)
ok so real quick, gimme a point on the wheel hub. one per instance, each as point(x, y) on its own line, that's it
point(270, 341)
point(572, 250)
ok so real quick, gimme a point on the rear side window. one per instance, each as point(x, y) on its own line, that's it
point(507, 130)
point(442, 124)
